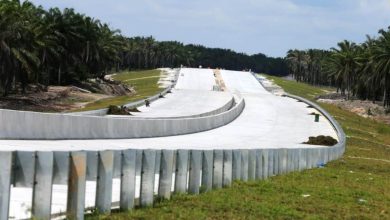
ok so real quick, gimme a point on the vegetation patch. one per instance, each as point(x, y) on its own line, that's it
point(118, 110)
point(321, 140)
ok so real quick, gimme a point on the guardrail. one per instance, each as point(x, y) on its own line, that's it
point(191, 171)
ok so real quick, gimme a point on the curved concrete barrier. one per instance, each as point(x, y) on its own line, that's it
point(227, 106)
point(336, 126)
point(334, 152)
point(339, 130)
point(103, 112)
point(49, 126)
point(236, 98)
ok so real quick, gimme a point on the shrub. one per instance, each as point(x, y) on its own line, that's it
point(116, 110)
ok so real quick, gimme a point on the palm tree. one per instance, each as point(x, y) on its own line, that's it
point(297, 61)
point(17, 55)
point(342, 65)
point(381, 58)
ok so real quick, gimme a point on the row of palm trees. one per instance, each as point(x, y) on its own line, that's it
point(228, 59)
point(146, 52)
point(52, 46)
point(62, 47)
point(357, 70)
point(308, 66)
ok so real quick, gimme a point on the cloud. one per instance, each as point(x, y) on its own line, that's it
point(268, 26)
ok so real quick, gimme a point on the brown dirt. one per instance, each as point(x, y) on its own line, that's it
point(55, 99)
point(63, 98)
point(364, 108)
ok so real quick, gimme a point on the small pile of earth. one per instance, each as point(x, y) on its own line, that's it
point(117, 110)
point(120, 110)
point(321, 140)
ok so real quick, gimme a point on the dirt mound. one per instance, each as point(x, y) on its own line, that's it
point(63, 98)
point(118, 110)
point(321, 140)
point(108, 87)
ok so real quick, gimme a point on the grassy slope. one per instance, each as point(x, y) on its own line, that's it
point(145, 83)
point(348, 188)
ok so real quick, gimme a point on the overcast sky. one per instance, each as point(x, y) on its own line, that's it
point(268, 26)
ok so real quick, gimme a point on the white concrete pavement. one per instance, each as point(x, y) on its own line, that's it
point(267, 121)
point(196, 79)
point(184, 102)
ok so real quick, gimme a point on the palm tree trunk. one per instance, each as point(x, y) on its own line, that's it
point(385, 93)
point(59, 75)
point(7, 86)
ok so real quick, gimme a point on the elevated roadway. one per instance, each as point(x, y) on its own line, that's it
point(267, 121)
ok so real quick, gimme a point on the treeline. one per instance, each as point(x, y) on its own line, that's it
point(147, 53)
point(52, 46)
point(61, 47)
point(357, 70)
point(228, 59)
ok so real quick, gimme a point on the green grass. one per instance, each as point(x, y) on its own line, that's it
point(301, 89)
point(356, 186)
point(144, 82)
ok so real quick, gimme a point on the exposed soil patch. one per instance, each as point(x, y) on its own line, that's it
point(63, 98)
point(366, 109)
point(55, 99)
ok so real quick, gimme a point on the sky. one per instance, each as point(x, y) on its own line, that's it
point(271, 27)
